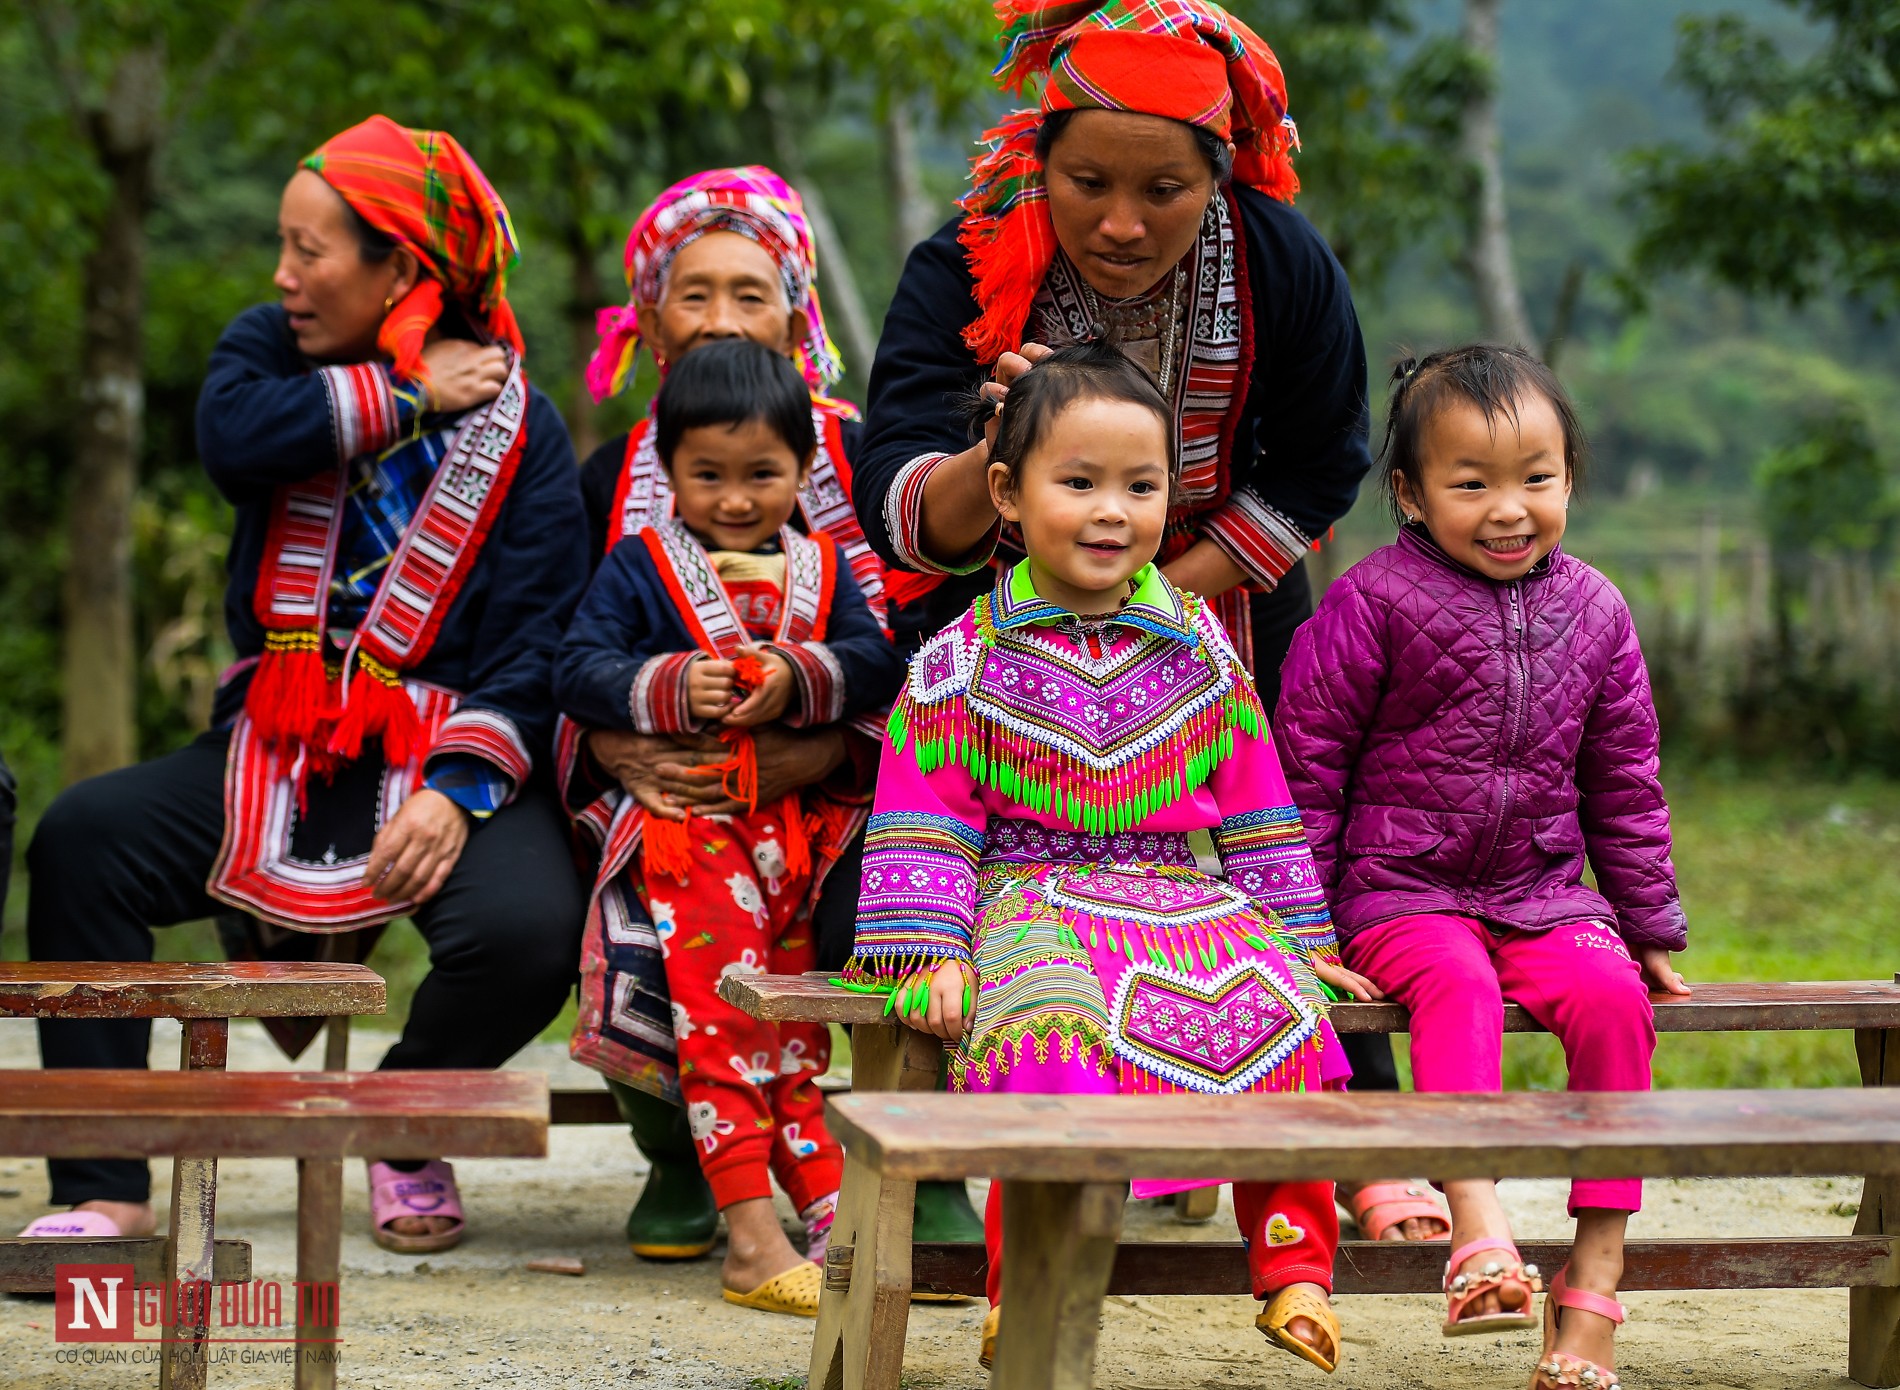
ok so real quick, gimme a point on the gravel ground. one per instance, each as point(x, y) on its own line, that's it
point(476, 1316)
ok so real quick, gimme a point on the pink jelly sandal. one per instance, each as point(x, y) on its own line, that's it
point(1379, 1207)
point(1559, 1369)
point(1461, 1290)
point(429, 1191)
point(72, 1223)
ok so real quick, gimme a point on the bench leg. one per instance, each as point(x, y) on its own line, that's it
point(1873, 1314)
point(865, 1309)
point(336, 1043)
point(188, 1245)
point(319, 1251)
point(1059, 1243)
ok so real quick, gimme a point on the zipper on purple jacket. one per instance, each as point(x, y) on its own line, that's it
point(1518, 715)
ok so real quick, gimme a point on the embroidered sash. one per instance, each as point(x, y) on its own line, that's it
point(295, 846)
point(642, 498)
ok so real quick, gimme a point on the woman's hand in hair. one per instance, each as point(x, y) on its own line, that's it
point(1009, 369)
point(462, 374)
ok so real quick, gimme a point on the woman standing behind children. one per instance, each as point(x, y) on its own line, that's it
point(1465, 717)
point(1029, 889)
point(724, 618)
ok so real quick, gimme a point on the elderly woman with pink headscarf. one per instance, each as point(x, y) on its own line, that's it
point(726, 253)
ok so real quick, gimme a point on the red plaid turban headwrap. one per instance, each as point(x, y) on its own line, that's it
point(420, 188)
point(752, 201)
point(1188, 60)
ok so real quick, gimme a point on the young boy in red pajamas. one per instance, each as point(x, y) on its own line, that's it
point(723, 619)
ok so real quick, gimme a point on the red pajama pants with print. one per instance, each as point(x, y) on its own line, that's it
point(747, 1084)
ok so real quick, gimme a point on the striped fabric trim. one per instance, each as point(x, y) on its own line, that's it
point(904, 516)
point(1264, 854)
point(657, 699)
point(490, 736)
point(820, 682)
point(1262, 541)
point(363, 418)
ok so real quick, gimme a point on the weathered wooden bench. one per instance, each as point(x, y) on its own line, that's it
point(318, 1118)
point(204, 997)
point(872, 1266)
point(1064, 1162)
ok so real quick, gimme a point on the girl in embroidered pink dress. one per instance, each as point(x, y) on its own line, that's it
point(1029, 888)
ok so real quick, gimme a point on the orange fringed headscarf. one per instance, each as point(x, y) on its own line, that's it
point(1188, 60)
point(421, 189)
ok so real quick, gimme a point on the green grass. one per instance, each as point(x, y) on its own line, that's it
point(1782, 880)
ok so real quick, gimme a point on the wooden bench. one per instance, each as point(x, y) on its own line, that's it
point(1064, 1162)
point(204, 997)
point(318, 1118)
point(860, 1334)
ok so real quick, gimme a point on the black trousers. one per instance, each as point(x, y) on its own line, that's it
point(117, 855)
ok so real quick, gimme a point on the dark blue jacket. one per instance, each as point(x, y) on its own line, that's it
point(628, 617)
point(264, 419)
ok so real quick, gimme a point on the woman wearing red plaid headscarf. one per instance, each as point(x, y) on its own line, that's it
point(1145, 198)
point(407, 548)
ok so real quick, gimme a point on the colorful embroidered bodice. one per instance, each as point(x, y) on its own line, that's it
point(1028, 737)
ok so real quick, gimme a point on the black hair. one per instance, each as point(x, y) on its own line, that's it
point(1488, 375)
point(1084, 371)
point(373, 245)
point(733, 382)
point(1220, 157)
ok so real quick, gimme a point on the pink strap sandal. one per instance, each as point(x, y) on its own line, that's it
point(1380, 1206)
point(1559, 1369)
point(429, 1191)
point(1461, 1290)
point(71, 1223)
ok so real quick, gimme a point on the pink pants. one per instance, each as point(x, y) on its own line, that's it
point(1454, 973)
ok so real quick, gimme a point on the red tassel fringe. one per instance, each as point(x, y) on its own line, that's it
point(377, 708)
point(668, 847)
point(289, 698)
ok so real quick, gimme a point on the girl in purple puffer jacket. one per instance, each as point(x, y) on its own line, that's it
point(1466, 717)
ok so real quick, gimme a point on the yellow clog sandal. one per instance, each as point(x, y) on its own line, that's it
point(986, 1358)
point(794, 1292)
point(1296, 1302)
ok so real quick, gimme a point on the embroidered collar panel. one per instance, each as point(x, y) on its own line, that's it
point(1154, 606)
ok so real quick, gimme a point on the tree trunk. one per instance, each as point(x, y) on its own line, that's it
point(584, 297)
point(912, 216)
point(1501, 314)
point(848, 320)
point(100, 676)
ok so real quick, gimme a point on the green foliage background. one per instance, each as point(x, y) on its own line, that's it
point(580, 110)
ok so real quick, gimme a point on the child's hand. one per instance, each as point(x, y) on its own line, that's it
point(1348, 982)
point(948, 1000)
point(709, 689)
point(773, 694)
point(1658, 973)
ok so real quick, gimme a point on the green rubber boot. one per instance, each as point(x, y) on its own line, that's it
point(675, 1218)
point(943, 1212)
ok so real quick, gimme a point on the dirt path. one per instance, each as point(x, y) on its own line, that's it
point(477, 1317)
